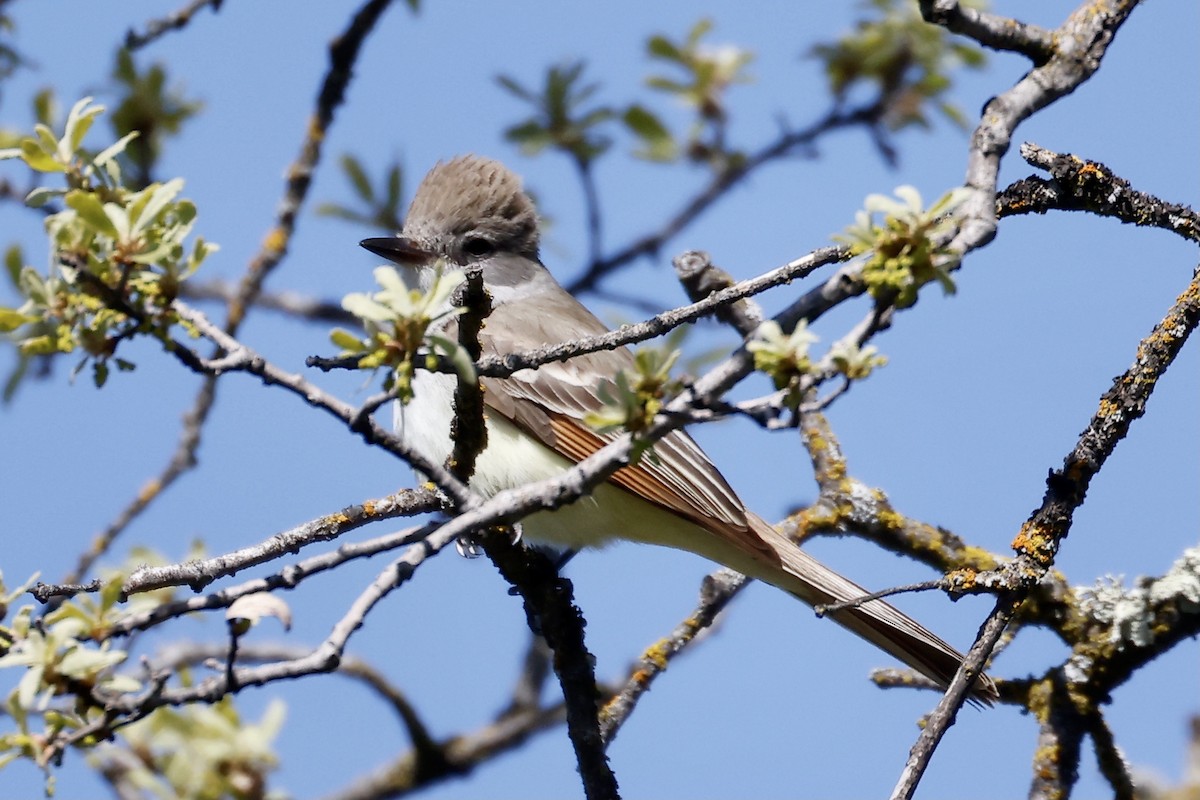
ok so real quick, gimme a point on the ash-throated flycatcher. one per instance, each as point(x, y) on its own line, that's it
point(473, 212)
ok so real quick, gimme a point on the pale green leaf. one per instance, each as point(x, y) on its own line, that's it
point(113, 150)
point(119, 218)
point(160, 196)
point(11, 319)
point(46, 140)
point(458, 356)
point(41, 195)
point(363, 307)
point(87, 205)
point(346, 340)
point(39, 159)
point(79, 120)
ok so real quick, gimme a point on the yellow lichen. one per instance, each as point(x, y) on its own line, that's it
point(316, 131)
point(149, 490)
point(1034, 542)
point(891, 520)
point(977, 558)
point(657, 654)
point(962, 580)
point(276, 240)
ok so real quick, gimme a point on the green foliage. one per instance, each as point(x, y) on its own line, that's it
point(909, 248)
point(707, 73)
point(68, 660)
point(783, 356)
point(397, 322)
point(202, 752)
point(150, 108)
point(61, 662)
point(856, 362)
point(561, 118)
point(120, 254)
point(633, 398)
point(566, 118)
point(381, 208)
point(657, 142)
point(908, 61)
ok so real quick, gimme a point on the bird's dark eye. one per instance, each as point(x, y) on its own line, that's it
point(478, 246)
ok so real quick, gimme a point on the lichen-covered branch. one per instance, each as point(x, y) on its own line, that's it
point(1077, 184)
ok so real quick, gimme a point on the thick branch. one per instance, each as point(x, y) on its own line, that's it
point(551, 612)
point(1080, 185)
point(991, 30)
point(199, 574)
point(1080, 44)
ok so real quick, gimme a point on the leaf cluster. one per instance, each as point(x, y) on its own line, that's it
point(700, 75)
point(149, 107)
point(783, 356)
point(909, 248)
point(907, 61)
point(120, 253)
point(380, 209)
point(398, 322)
point(634, 397)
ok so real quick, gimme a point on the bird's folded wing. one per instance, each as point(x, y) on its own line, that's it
point(549, 403)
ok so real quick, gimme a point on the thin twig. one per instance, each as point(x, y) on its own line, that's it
point(721, 182)
point(717, 590)
point(991, 30)
point(1113, 764)
point(591, 202)
point(240, 358)
point(292, 304)
point(174, 21)
point(831, 608)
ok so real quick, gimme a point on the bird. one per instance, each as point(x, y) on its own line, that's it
point(473, 212)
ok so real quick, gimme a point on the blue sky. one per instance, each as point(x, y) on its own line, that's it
point(985, 391)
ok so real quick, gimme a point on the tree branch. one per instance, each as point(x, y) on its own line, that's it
point(721, 182)
point(991, 30)
point(1080, 185)
point(1040, 537)
point(176, 20)
point(551, 612)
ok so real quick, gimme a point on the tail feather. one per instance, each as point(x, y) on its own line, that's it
point(876, 621)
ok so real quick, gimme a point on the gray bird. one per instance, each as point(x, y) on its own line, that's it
point(473, 212)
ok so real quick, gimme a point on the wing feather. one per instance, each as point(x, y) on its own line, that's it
point(549, 402)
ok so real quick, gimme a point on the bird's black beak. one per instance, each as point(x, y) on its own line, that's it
point(398, 250)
